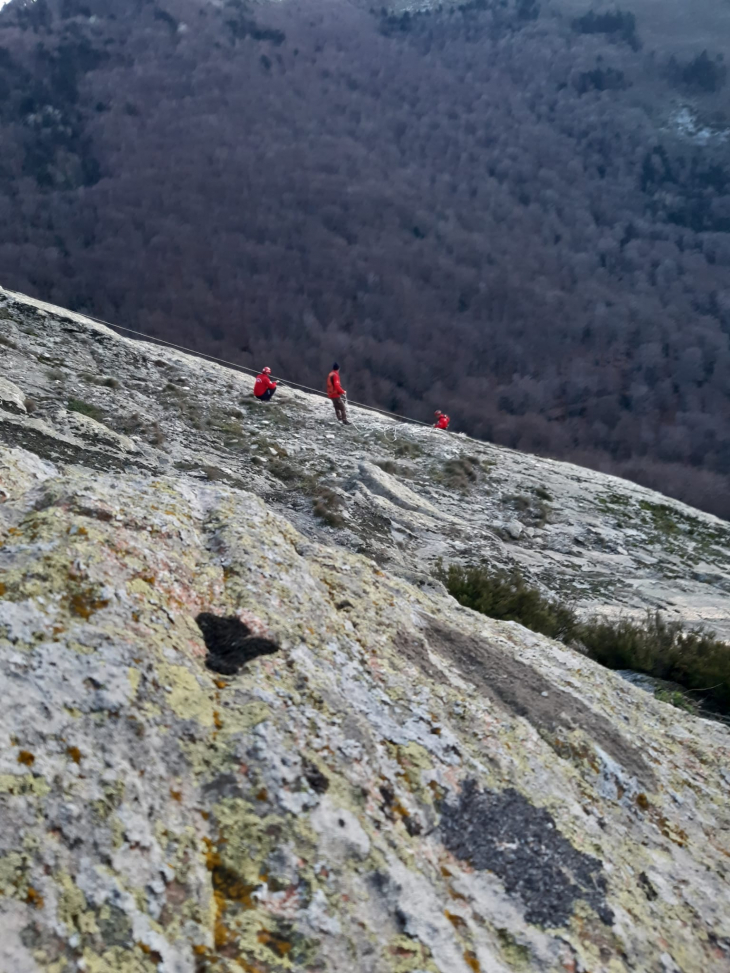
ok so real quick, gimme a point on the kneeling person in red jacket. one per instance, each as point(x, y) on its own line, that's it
point(442, 420)
point(264, 388)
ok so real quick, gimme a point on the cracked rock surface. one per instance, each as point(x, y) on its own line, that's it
point(386, 782)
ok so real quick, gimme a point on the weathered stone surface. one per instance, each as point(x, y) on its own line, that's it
point(403, 785)
point(11, 397)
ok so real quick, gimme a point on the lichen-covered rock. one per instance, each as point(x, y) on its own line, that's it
point(11, 397)
point(396, 785)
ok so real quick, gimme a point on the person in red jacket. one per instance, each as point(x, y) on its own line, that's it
point(442, 420)
point(264, 388)
point(337, 394)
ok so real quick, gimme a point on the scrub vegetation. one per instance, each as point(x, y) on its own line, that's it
point(695, 659)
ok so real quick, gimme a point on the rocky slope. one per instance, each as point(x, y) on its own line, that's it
point(390, 783)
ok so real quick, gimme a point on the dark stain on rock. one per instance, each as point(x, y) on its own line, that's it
point(503, 833)
point(314, 777)
point(230, 644)
point(224, 786)
point(520, 688)
point(645, 884)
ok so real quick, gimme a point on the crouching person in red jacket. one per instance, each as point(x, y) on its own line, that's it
point(442, 421)
point(264, 388)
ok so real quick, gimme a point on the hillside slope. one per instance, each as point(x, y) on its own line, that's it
point(402, 786)
point(518, 211)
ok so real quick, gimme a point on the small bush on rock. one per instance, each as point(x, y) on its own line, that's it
point(506, 595)
point(85, 409)
point(694, 659)
point(328, 507)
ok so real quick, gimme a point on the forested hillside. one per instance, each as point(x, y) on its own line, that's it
point(515, 213)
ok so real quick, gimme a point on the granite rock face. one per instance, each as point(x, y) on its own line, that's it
point(381, 781)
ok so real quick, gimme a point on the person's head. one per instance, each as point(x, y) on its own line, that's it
point(335, 367)
point(438, 413)
point(266, 370)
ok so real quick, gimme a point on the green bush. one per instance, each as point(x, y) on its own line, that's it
point(460, 473)
point(407, 450)
point(505, 595)
point(677, 699)
point(85, 409)
point(395, 469)
point(693, 658)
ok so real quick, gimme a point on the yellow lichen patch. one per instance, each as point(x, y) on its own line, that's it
point(139, 586)
point(407, 955)
point(119, 960)
point(26, 758)
point(25, 784)
point(75, 754)
point(186, 698)
point(515, 953)
point(413, 759)
point(71, 900)
point(134, 676)
point(13, 868)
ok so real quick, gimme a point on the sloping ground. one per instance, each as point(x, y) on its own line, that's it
point(403, 786)
point(606, 543)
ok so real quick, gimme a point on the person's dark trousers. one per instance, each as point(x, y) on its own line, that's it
point(266, 396)
point(341, 409)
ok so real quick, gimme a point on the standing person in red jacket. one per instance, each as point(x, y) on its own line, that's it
point(442, 420)
point(337, 394)
point(264, 388)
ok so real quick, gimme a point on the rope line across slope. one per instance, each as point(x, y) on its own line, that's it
point(252, 371)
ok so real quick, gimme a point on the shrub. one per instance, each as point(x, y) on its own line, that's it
point(695, 659)
point(408, 450)
point(85, 409)
point(505, 595)
point(460, 473)
point(678, 699)
point(534, 512)
point(107, 382)
point(328, 507)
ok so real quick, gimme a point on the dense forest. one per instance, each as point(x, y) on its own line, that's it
point(514, 214)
